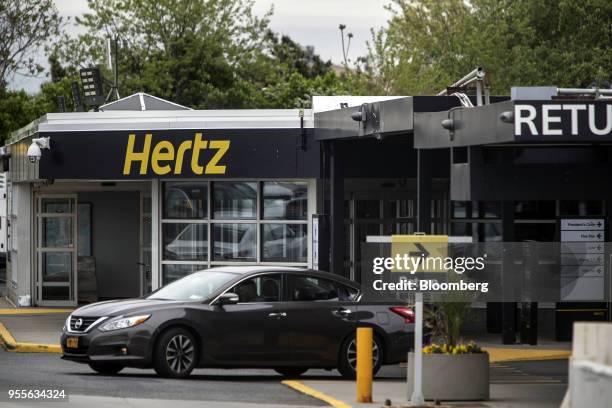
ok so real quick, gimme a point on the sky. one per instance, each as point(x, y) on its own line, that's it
point(309, 22)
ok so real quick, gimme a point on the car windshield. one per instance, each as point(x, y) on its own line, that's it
point(194, 287)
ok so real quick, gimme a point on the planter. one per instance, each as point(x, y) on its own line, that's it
point(452, 377)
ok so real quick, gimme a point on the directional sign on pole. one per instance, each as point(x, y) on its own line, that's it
point(582, 258)
point(420, 246)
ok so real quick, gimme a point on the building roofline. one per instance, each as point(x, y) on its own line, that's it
point(166, 119)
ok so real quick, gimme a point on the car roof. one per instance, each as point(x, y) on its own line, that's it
point(241, 270)
point(251, 269)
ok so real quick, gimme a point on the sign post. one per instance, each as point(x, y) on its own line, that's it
point(419, 245)
point(417, 397)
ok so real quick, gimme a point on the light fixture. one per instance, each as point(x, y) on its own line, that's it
point(507, 117)
point(92, 86)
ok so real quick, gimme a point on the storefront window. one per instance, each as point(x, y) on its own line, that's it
point(246, 222)
point(172, 272)
point(534, 210)
point(460, 209)
point(185, 242)
point(367, 209)
point(234, 242)
point(581, 208)
point(284, 243)
point(234, 200)
point(285, 201)
point(185, 200)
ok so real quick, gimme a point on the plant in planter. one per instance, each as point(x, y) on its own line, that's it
point(447, 359)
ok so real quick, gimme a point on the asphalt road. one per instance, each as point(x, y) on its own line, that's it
point(41, 370)
point(541, 383)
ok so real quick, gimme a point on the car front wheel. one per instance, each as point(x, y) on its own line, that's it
point(348, 357)
point(106, 368)
point(175, 354)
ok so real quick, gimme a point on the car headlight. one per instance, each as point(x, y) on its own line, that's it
point(124, 322)
point(67, 324)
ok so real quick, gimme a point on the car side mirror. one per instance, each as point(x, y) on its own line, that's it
point(228, 298)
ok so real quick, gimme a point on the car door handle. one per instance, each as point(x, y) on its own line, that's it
point(277, 315)
point(343, 312)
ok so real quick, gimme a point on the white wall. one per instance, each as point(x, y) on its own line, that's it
point(19, 268)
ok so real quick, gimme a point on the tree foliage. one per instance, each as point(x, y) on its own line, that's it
point(25, 26)
point(200, 53)
point(17, 108)
point(428, 44)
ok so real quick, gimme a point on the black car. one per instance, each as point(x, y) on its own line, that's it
point(288, 319)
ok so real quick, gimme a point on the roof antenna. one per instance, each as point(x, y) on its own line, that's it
point(113, 65)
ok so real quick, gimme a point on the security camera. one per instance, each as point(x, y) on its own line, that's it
point(34, 151)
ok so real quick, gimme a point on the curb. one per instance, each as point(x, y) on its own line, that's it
point(503, 355)
point(9, 344)
point(32, 311)
point(304, 389)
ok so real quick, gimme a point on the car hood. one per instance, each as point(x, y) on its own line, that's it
point(122, 307)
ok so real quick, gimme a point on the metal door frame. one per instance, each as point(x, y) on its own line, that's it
point(145, 264)
point(37, 251)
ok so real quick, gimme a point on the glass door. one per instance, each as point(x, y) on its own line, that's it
point(56, 250)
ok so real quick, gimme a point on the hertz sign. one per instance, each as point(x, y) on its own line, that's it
point(179, 153)
point(163, 158)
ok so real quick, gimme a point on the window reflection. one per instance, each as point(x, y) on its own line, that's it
point(185, 200)
point(285, 201)
point(235, 200)
point(234, 242)
point(170, 273)
point(185, 242)
point(284, 242)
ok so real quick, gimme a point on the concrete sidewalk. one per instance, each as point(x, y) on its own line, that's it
point(43, 329)
point(341, 394)
point(31, 329)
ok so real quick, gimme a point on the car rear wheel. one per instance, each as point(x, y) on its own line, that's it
point(348, 357)
point(175, 354)
point(290, 372)
point(106, 368)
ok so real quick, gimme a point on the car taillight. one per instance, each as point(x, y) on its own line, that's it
point(406, 312)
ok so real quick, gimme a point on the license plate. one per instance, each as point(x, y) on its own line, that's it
point(72, 342)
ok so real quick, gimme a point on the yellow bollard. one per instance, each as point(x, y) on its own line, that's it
point(364, 364)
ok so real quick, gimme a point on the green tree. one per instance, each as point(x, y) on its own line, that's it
point(25, 26)
point(205, 54)
point(17, 108)
point(428, 44)
point(296, 57)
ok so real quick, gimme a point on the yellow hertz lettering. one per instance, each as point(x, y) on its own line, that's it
point(164, 156)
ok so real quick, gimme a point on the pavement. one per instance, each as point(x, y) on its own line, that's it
point(533, 384)
point(219, 388)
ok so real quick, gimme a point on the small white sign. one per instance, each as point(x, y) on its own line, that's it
point(582, 271)
point(596, 224)
point(582, 236)
point(573, 259)
point(582, 247)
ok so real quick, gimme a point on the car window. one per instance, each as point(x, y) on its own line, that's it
point(314, 289)
point(266, 288)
